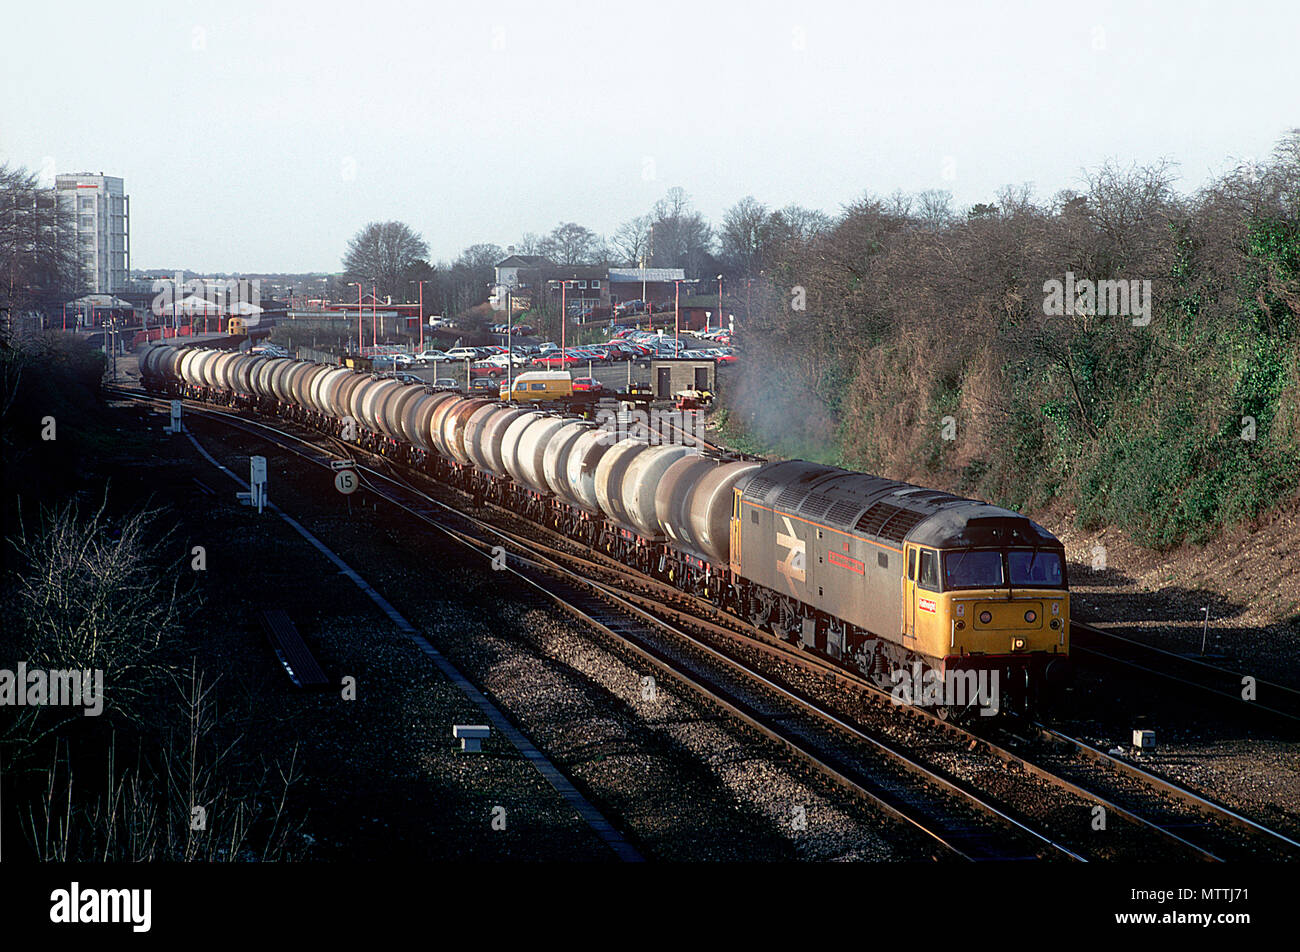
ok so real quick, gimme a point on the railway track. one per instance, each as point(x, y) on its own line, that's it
point(647, 616)
point(1273, 702)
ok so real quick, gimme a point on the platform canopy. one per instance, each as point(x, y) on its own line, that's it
point(99, 300)
point(194, 304)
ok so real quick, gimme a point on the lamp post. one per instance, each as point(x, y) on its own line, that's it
point(421, 284)
point(510, 344)
point(677, 317)
point(360, 346)
point(374, 318)
point(706, 320)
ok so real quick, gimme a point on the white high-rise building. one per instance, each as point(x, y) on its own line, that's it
point(101, 211)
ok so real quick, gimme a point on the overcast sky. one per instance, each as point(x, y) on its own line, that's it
point(258, 139)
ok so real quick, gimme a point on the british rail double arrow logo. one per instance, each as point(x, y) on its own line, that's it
point(793, 565)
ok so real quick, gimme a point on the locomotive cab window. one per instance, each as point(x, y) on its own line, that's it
point(911, 565)
point(973, 568)
point(1036, 568)
point(929, 579)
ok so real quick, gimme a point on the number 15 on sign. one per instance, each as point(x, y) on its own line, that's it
point(346, 482)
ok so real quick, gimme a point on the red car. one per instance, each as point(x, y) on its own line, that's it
point(587, 383)
point(553, 361)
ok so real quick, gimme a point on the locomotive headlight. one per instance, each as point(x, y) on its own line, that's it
point(1017, 644)
point(986, 617)
point(960, 624)
point(1055, 623)
point(1031, 616)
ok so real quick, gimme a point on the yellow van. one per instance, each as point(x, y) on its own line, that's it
point(539, 386)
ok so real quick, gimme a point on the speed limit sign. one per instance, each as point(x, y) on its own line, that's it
point(346, 482)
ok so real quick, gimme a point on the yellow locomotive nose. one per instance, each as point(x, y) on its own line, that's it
point(1004, 615)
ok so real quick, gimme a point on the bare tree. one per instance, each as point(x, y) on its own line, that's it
point(39, 263)
point(89, 598)
point(794, 223)
point(570, 243)
point(632, 240)
point(744, 235)
point(530, 244)
point(679, 236)
point(382, 254)
point(934, 209)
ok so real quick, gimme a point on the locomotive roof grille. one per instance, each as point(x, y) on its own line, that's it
point(842, 512)
point(789, 497)
point(816, 505)
point(886, 521)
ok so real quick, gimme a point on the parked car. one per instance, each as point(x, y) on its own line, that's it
point(401, 375)
point(556, 359)
point(431, 357)
point(616, 350)
point(490, 384)
point(588, 383)
point(463, 353)
point(447, 383)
